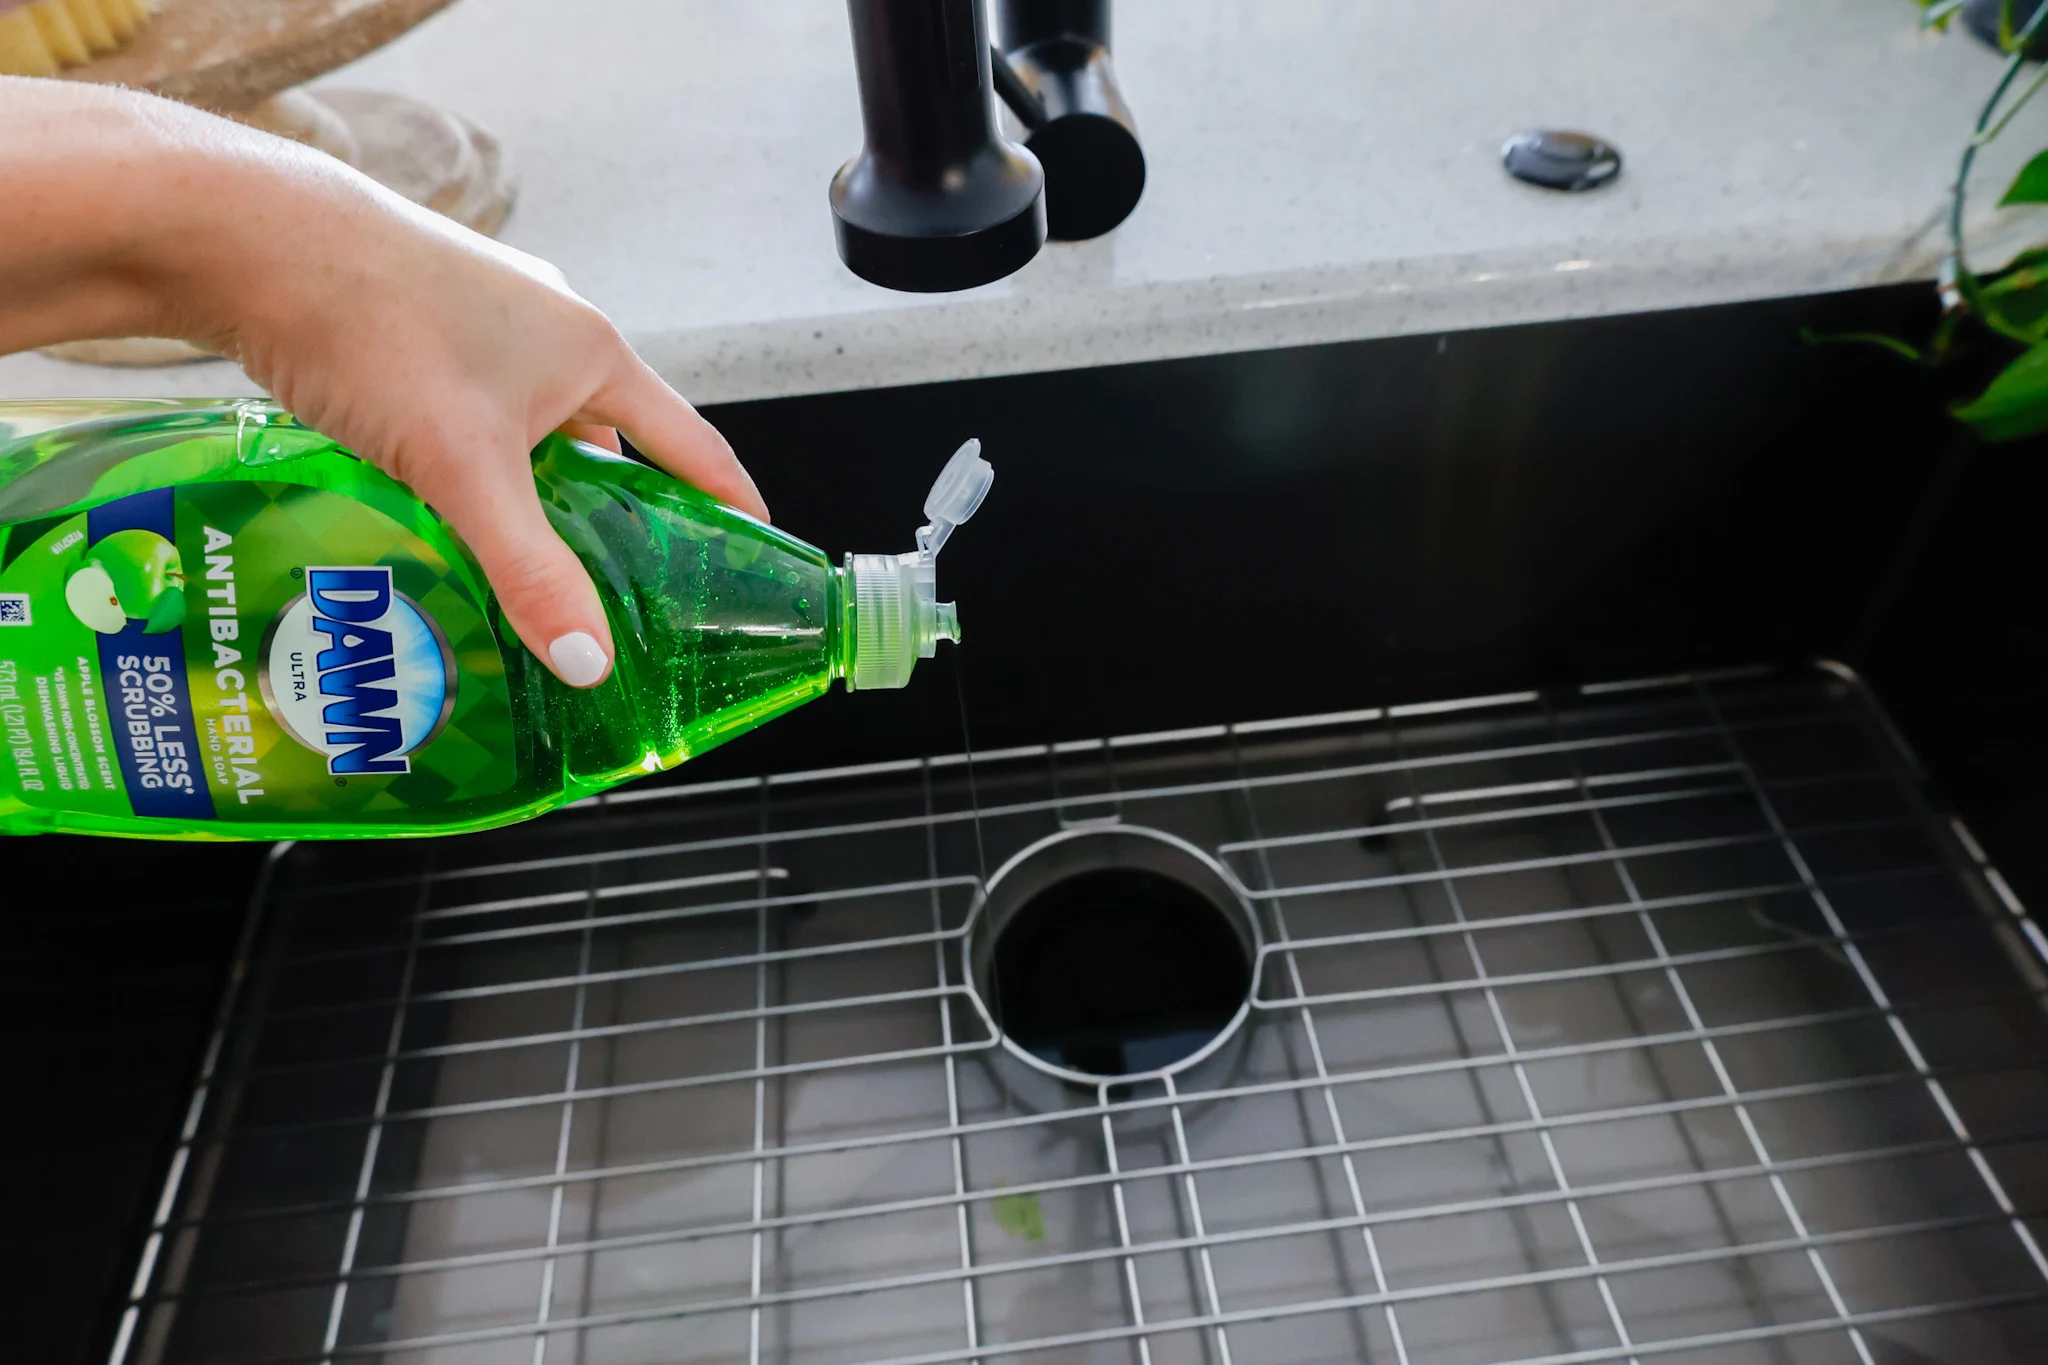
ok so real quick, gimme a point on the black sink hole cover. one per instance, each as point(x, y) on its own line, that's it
point(1117, 971)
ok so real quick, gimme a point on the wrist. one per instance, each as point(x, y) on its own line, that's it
point(128, 215)
point(228, 255)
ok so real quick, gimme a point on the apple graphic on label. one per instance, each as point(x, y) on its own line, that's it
point(133, 574)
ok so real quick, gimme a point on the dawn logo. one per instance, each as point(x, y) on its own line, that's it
point(354, 670)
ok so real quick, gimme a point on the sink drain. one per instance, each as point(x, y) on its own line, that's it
point(1112, 953)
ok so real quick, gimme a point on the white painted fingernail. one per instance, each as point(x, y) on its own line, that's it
point(579, 659)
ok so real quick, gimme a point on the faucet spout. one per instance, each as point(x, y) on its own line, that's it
point(937, 199)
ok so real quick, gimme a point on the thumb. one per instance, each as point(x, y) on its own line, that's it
point(542, 587)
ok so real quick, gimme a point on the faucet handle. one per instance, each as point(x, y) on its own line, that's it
point(1057, 79)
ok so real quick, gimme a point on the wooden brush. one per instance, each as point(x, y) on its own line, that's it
point(41, 37)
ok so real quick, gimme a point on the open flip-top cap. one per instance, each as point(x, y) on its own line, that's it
point(897, 616)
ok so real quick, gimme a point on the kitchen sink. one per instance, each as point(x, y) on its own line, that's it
point(1663, 995)
point(1618, 1022)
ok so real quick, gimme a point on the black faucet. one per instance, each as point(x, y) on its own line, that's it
point(1056, 77)
point(938, 199)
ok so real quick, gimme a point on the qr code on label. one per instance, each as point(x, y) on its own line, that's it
point(14, 609)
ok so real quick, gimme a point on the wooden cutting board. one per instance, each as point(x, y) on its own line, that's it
point(227, 55)
point(232, 56)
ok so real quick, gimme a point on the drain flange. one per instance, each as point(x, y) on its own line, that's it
point(1113, 952)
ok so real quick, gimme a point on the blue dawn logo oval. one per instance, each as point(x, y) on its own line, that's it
point(354, 670)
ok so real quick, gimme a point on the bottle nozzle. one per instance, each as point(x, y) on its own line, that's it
point(897, 616)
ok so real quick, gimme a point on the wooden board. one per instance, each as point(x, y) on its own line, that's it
point(435, 158)
point(230, 54)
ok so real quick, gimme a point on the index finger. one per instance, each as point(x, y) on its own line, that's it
point(661, 423)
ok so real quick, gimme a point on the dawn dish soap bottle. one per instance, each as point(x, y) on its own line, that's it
point(215, 623)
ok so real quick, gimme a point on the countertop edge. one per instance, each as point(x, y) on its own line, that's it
point(1083, 326)
point(1043, 332)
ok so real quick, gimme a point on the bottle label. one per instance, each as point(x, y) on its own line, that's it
point(245, 651)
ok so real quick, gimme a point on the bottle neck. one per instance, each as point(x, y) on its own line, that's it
point(842, 624)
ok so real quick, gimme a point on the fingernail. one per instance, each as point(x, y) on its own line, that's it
point(579, 659)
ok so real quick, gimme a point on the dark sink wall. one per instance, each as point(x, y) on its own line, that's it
point(1337, 526)
point(112, 958)
point(1216, 539)
point(1957, 645)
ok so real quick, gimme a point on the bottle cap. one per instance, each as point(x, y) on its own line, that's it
point(897, 616)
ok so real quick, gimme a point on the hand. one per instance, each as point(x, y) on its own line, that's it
point(437, 354)
point(443, 358)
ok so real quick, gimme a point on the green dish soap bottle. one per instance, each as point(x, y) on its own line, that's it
point(215, 623)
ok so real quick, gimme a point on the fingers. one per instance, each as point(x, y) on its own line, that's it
point(590, 433)
point(542, 587)
point(672, 434)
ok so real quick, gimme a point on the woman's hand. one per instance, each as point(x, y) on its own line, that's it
point(444, 358)
point(439, 355)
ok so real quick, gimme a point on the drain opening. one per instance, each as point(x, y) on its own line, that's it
point(1113, 953)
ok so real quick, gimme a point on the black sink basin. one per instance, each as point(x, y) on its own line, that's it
point(1199, 541)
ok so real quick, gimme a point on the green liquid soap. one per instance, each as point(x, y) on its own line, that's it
point(216, 623)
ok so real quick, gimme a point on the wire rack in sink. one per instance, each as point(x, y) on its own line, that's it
point(1661, 1020)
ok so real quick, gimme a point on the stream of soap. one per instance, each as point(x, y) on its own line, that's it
point(967, 749)
point(974, 801)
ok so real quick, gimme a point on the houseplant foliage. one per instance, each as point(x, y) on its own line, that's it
point(2012, 302)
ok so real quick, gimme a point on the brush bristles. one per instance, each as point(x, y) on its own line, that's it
point(41, 38)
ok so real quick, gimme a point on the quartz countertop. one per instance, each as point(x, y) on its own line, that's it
point(1319, 170)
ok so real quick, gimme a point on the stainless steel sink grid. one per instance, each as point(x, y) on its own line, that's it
point(1657, 1021)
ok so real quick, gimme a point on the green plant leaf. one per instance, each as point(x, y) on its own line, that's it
point(1878, 339)
point(2030, 186)
point(2016, 403)
point(1935, 14)
point(2034, 258)
point(2018, 293)
point(2026, 309)
point(1020, 1215)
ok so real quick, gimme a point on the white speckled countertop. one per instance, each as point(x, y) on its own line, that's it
point(1319, 170)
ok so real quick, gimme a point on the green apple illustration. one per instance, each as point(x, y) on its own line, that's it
point(90, 594)
point(129, 574)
